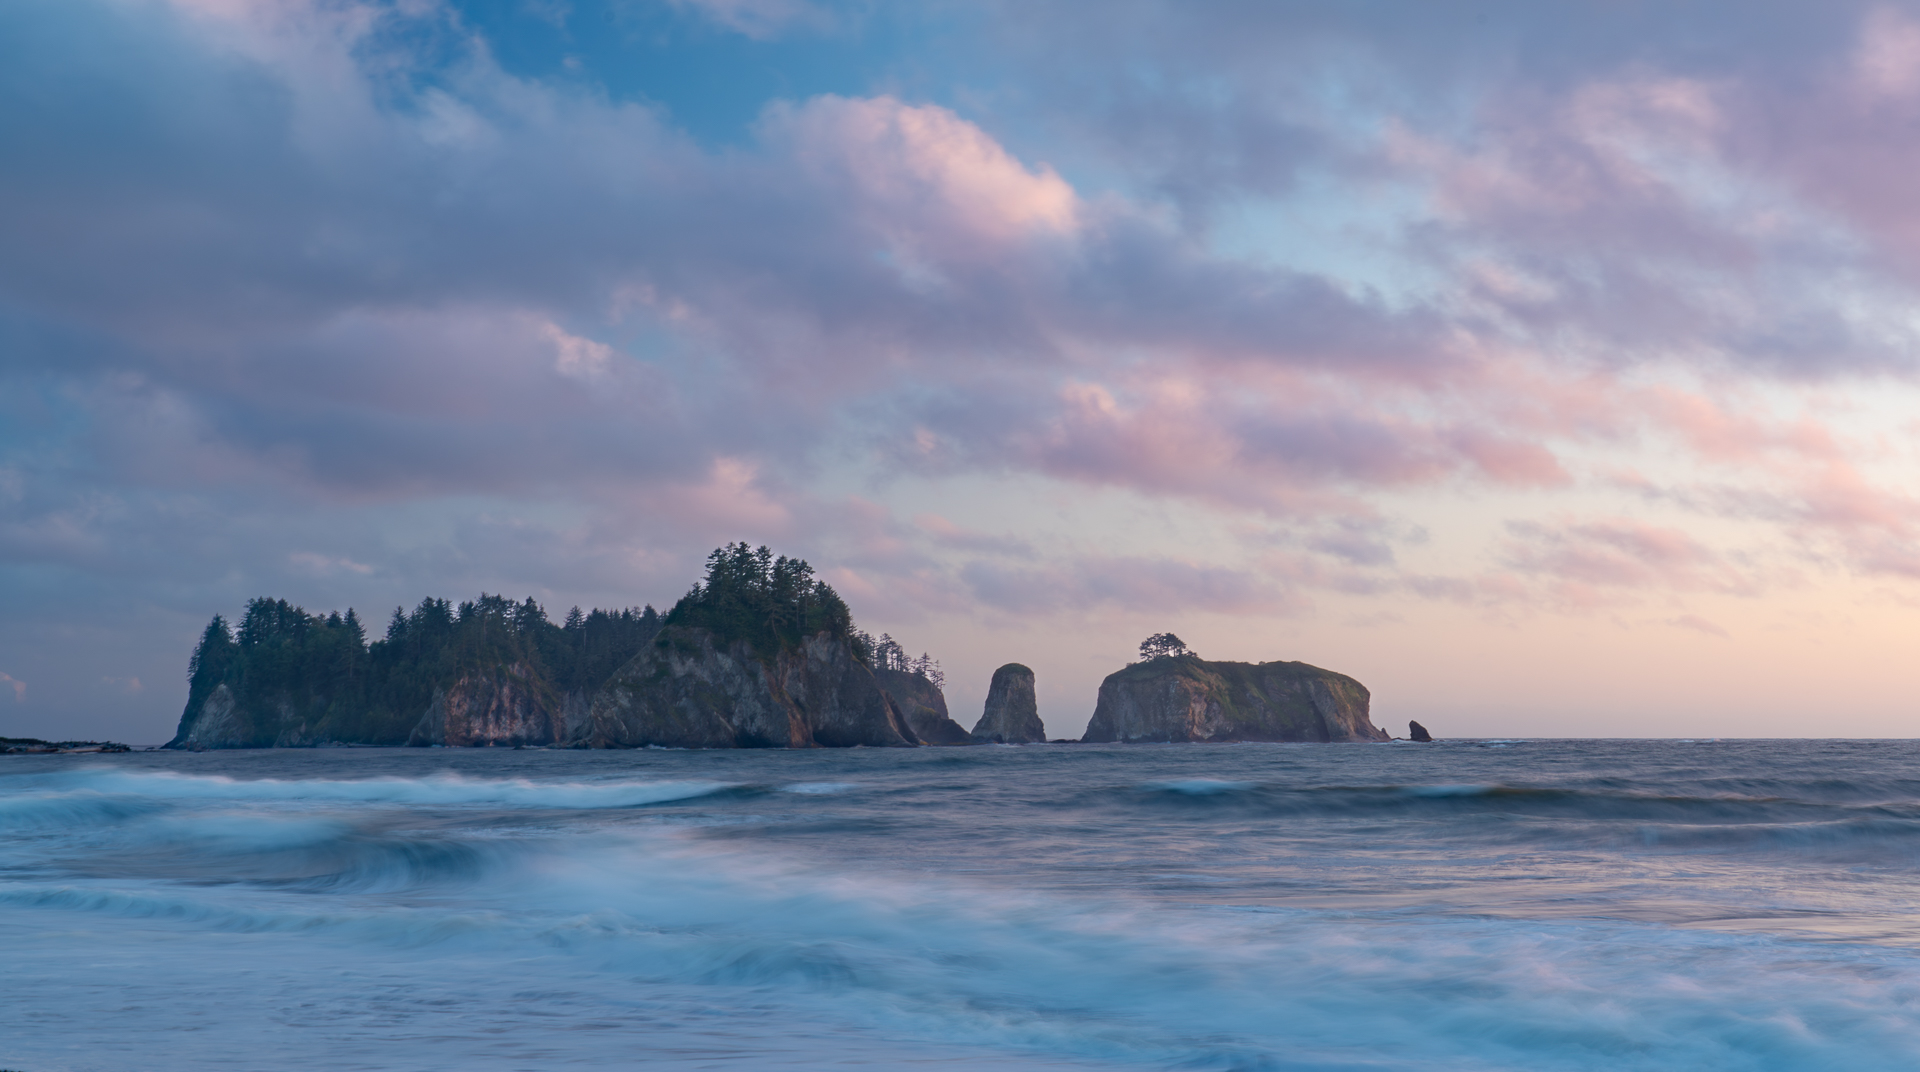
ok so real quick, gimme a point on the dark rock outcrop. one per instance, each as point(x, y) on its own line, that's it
point(34, 746)
point(684, 691)
point(1012, 715)
point(502, 707)
point(1184, 698)
point(923, 705)
point(1417, 732)
point(215, 725)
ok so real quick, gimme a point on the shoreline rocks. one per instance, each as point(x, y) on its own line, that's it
point(34, 746)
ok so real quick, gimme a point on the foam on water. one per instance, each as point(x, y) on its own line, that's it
point(444, 790)
point(982, 908)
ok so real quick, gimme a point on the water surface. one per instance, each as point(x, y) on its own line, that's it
point(1525, 905)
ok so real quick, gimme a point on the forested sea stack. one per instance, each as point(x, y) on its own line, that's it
point(488, 672)
point(1174, 695)
point(760, 655)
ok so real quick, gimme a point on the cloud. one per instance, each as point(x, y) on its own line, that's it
point(922, 168)
point(1127, 584)
point(761, 19)
point(948, 534)
point(1588, 558)
point(1886, 61)
point(19, 687)
point(331, 298)
point(1699, 625)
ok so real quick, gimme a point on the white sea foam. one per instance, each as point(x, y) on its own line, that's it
point(90, 789)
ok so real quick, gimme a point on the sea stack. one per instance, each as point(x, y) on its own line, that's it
point(923, 705)
point(1012, 715)
point(1417, 732)
point(1186, 698)
point(691, 689)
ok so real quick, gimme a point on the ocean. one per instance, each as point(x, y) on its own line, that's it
point(1469, 905)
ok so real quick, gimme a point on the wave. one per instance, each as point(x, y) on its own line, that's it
point(1491, 814)
point(90, 792)
point(31, 812)
point(1200, 787)
point(1067, 917)
point(1095, 979)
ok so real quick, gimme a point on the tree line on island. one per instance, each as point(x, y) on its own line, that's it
point(759, 652)
point(294, 677)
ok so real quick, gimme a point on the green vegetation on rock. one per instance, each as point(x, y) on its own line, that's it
point(771, 604)
point(758, 652)
point(288, 677)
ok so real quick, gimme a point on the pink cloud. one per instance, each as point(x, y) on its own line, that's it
point(1886, 60)
point(948, 534)
point(1589, 557)
point(1699, 625)
point(936, 186)
point(1121, 583)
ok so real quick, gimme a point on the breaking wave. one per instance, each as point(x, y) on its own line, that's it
point(101, 792)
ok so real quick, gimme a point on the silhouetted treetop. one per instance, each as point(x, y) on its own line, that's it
point(887, 654)
point(771, 603)
point(1160, 644)
point(282, 657)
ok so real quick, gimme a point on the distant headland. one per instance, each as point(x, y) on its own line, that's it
point(34, 746)
point(758, 654)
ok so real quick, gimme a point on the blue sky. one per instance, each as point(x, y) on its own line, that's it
point(1548, 368)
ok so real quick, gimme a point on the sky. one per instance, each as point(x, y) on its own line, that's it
point(1553, 369)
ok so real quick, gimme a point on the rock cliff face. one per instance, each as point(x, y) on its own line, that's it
point(216, 725)
point(501, 707)
point(1182, 698)
point(507, 706)
point(275, 721)
point(923, 705)
point(1012, 715)
point(683, 691)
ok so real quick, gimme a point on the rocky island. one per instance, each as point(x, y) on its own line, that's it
point(1174, 695)
point(759, 654)
point(1012, 713)
point(487, 672)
